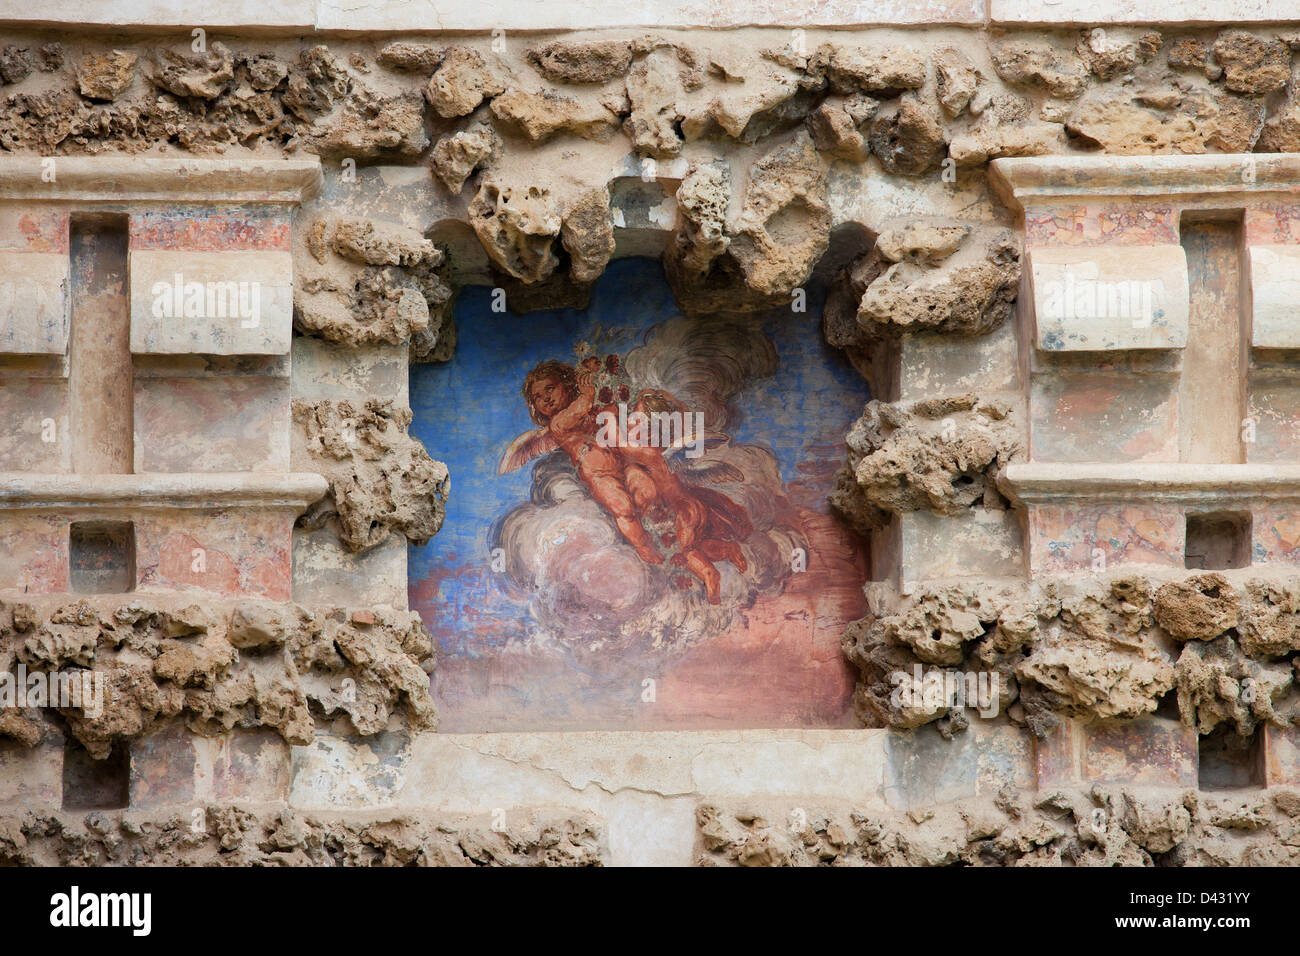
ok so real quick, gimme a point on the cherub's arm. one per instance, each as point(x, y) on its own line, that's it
point(572, 416)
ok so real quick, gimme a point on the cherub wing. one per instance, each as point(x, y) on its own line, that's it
point(703, 469)
point(531, 444)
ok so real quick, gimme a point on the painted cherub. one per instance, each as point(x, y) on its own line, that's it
point(634, 479)
point(708, 526)
point(562, 401)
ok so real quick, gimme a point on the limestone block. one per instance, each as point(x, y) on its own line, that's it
point(339, 773)
point(211, 303)
point(326, 370)
point(325, 572)
point(1085, 221)
point(1101, 536)
point(1112, 414)
point(1103, 298)
point(1271, 223)
point(934, 364)
point(211, 228)
point(174, 767)
point(217, 423)
point(447, 15)
point(227, 552)
point(1141, 12)
point(1275, 534)
point(31, 777)
point(33, 553)
point(34, 408)
point(1281, 752)
point(34, 303)
point(924, 769)
point(1273, 406)
point(981, 542)
point(1004, 756)
point(1275, 292)
point(1148, 751)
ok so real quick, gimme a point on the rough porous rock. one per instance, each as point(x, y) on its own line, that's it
point(16, 63)
point(316, 81)
point(700, 239)
point(370, 126)
point(1252, 64)
point(909, 139)
point(411, 57)
point(1193, 123)
point(231, 835)
point(965, 292)
point(1110, 53)
point(993, 140)
point(956, 81)
point(836, 127)
point(360, 282)
point(1198, 609)
point(1281, 132)
point(463, 80)
point(1098, 657)
point(587, 235)
point(518, 228)
point(784, 223)
point(457, 156)
point(1218, 684)
point(653, 87)
point(204, 76)
point(756, 259)
point(1097, 826)
point(1270, 620)
point(882, 71)
point(595, 61)
point(382, 481)
point(1038, 63)
point(221, 665)
point(1188, 53)
point(106, 76)
point(541, 115)
point(939, 455)
point(1096, 649)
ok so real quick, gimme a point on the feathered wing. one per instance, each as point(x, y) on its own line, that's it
point(531, 444)
point(713, 472)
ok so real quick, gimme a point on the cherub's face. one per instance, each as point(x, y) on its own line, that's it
point(549, 396)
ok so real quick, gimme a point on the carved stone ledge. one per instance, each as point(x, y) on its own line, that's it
point(1174, 483)
point(120, 179)
point(20, 491)
point(1026, 181)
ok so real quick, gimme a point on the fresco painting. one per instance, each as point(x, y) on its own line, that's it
point(637, 535)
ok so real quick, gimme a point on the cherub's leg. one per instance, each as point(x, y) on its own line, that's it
point(707, 573)
point(613, 497)
point(725, 551)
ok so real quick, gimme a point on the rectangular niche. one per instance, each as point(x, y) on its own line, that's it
point(1228, 761)
point(1217, 541)
point(101, 557)
point(659, 589)
point(90, 784)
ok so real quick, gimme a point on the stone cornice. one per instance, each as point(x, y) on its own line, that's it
point(1029, 483)
point(127, 179)
point(1048, 180)
point(354, 16)
point(21, 491)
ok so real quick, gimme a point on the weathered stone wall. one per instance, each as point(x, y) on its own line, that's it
point(274, 708)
